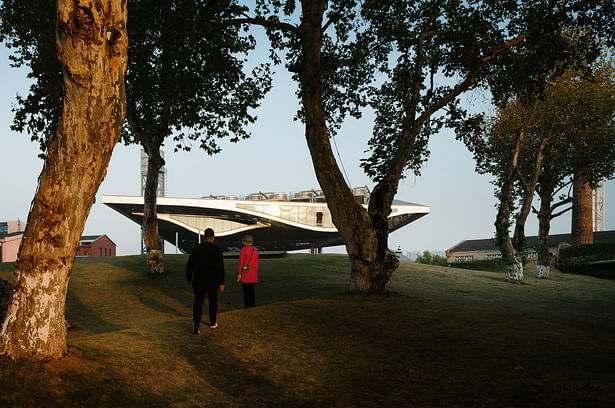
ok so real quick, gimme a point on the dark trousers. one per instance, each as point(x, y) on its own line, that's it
point(199, 299)
point(248, 294)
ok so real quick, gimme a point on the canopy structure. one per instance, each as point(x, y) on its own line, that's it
point(277, 222)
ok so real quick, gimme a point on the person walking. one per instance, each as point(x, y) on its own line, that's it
point(248, 270)
point(205, 271)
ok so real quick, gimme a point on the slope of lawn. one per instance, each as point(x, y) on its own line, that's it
point(437, 337)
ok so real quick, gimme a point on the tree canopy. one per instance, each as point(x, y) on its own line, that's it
point(411, 61)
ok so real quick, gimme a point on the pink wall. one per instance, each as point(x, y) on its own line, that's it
point(10, 249)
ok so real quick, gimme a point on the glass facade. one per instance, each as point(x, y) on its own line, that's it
point(312, 215)
point(201, 223)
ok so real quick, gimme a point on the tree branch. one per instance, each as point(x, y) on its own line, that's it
point(561, 212)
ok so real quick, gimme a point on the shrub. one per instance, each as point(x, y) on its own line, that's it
point(576, 258)
point(491, 265)
point(429, 259)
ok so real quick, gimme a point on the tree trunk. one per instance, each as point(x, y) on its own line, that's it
point(371, 262)
point(92, 48)
point(543, 265)
point(514, 265)
point(582, 212)
point(519, 241)
point(155, 259)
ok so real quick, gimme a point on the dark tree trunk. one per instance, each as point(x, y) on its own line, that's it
point(153, 245)
point(519, 241)
point(543, 265)
point(514, 265)
point(365, 234)
point(92, 45)
point(582, 212)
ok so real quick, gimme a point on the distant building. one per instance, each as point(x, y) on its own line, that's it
point(95, 246)
point(278, 222)
point(10, 239)
point(11, 234)
point(485, 249)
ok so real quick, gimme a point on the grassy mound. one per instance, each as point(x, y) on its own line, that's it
point(438, 336)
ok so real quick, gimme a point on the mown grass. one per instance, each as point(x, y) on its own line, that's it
point(437, 337)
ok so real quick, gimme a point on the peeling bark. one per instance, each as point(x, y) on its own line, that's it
point(155, 253)
point(92, 44)
point(365, 234)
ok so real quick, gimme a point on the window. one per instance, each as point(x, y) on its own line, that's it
point(464, 258)
point(85, 253)
point(100, 251)
point(494, 256)
point(319, 219)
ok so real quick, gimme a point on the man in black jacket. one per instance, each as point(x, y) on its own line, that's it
point(205, 270)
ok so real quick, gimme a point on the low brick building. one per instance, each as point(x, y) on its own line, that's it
point(95, 246)
point(485, 249)
point(11, 233)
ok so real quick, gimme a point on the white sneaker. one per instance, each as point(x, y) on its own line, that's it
point(213, 326)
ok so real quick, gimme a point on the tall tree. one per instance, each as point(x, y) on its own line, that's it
point(410, 43)
point(512, 141)
point(186, 79)
point(575, 114)
point(585, 149)
point(92, 42)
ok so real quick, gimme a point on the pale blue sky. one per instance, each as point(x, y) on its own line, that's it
point(276, 159)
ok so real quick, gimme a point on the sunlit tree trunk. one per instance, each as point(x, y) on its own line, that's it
point(91, 42)
point(582, 223)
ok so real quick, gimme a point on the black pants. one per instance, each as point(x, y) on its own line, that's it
point(248, 294)
point(199, 299)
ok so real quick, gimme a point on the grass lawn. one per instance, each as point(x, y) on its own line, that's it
point(437, 337)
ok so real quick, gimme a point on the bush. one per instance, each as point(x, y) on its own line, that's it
point(576, 258)
point(429, 259)
point(597, 251)
point(491, 265)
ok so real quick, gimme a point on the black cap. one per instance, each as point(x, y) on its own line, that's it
point(209, 233)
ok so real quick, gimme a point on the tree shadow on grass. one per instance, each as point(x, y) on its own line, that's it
point(160, 307)
point(239, 382)
point(81, 315)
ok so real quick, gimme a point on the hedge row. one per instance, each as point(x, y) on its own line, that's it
point(576, 258)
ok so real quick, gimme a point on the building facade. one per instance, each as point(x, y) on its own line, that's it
point(11, 233)
point(278, 222)
point(94, 246)
point(485, 249)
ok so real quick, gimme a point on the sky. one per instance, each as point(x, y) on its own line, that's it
point(275, 159)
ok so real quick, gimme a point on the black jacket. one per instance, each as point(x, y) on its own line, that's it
point(205, 265)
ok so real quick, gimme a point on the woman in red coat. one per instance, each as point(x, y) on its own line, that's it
point(248, 270)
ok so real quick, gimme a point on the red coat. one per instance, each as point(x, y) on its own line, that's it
point(248, 255)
